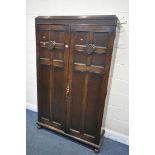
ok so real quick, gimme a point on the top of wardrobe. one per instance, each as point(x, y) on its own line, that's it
point(79, 17)
point(83, 19)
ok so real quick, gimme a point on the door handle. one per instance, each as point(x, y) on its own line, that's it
point(67, 90)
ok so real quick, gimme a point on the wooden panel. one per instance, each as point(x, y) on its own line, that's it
point(99, 59)
point(58, 98)
point(79, 58)
point(44, 27)
point(44, 53)
point(101, 38)
point(94, 87)
point(93, 28)
point(77, 96)
point(52, 27)
point(44, 91)
point(81, 37)
point(58, 28)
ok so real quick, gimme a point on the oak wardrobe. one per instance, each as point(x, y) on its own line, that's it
point(73, 63)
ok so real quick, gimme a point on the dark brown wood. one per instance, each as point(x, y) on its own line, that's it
point(52, 67)
point(73, 62)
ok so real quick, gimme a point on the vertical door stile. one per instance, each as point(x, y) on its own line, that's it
point(86, 80)
point(66, 74)
point(102, 97)
point(51, 79)
point(69, 98)
point(104, 83)
point(38, 75)
point(69, 79)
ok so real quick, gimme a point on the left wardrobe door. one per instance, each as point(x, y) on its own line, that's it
point(52, 73)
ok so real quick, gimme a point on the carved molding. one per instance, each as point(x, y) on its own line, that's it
point(91, 68)
point(51, 45)
point(97, 49)
point(90, 48)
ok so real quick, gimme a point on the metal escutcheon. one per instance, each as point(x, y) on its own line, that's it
point(66, 46)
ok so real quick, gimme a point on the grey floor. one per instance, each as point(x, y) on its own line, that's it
point(45, 142)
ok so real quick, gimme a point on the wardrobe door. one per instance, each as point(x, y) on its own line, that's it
point(43, 72)
point(90, 54)
point(52, 74)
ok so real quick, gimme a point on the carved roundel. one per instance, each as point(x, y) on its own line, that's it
point(90, 48)
point(51, 44)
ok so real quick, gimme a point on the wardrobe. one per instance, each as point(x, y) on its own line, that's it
point(73, 55)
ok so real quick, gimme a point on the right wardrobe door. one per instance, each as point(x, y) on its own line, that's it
point(90, 55)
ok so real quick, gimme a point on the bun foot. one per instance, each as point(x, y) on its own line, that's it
point(96, 151)
point(38, 126)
